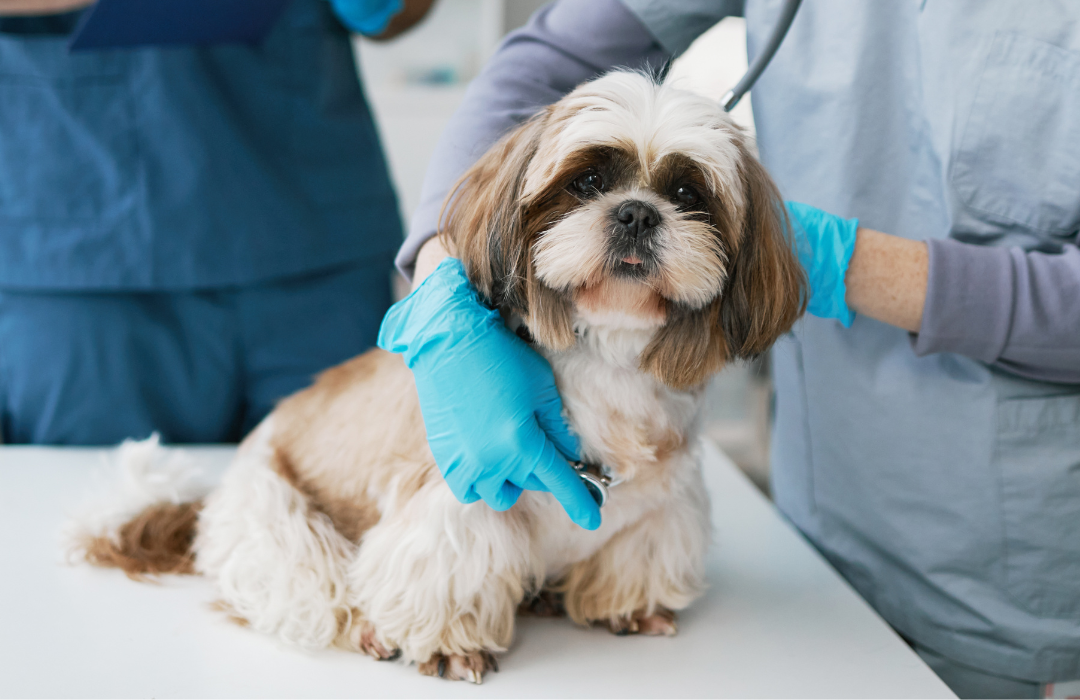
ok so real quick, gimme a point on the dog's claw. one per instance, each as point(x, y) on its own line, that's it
point(361, 637)
point(459, 667)
point(661, 623)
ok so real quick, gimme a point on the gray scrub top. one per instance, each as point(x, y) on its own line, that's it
point(939, 473)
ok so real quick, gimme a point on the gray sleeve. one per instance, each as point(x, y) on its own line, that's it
point(564, 44)
point(676, 23)
point(1017, 310)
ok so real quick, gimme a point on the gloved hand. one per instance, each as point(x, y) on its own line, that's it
point(492, 412)
point(824, 244)
point(368, 17)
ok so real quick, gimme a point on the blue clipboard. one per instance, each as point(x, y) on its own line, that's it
point(127, 23)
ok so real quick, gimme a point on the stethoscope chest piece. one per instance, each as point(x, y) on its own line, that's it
point(597, 479)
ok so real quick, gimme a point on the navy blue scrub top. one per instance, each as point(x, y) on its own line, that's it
point(192, 167)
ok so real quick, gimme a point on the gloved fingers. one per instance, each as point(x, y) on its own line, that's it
point(534, 484)
point(566, 486)
point(549, 416)
point(553, 471)
point(500, 496)
point(463, 492)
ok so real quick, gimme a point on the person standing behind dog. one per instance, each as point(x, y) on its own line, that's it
point(927, 435)
point(186, 233)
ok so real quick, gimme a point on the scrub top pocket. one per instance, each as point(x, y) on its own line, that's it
point(68, 150)
point(1038, 454)
point(1018, 160)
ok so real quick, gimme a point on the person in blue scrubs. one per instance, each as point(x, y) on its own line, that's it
point(187, 234)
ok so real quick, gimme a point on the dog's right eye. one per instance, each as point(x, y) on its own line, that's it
point(589, 182)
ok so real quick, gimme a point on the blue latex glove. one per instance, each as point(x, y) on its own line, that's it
point(368, 17)
point(824, 244)
point(492, 412)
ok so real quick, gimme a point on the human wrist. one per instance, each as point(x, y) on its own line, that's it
point(887, 278)
point(443, 307)
point(428, 257)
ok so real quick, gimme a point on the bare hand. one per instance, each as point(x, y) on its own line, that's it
point(41, 7)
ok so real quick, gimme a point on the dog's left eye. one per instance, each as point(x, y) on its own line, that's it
point(687, 196)
point(589, 182)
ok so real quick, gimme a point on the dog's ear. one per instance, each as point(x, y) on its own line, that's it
point(481, 221)
point(492, 230)
point(689, 348)
point(766, 289)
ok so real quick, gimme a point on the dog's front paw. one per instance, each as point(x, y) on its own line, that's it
point(661, 623)
point(361, 637)
point(460, 667)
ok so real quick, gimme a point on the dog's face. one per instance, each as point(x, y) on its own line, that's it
point(634, 205)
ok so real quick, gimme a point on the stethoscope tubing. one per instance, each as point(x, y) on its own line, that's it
point(783, 24)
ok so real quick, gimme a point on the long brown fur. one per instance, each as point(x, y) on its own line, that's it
point(493, 235)
point(156, 541)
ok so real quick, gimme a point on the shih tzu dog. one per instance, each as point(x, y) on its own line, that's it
point(632, 231)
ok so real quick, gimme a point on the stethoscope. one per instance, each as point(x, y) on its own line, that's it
point(598, 477)
point(783, 24)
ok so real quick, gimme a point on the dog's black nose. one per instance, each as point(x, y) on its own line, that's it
point(639, 218)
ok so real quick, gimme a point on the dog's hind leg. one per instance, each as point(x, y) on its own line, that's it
point(648, 570)
point(440, 581)
point(279, 564)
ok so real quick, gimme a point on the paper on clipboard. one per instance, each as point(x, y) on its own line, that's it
point(128, 23)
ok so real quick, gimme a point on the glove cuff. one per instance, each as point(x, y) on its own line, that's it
point(824, 244)
point(445, 306)
point(847, 232)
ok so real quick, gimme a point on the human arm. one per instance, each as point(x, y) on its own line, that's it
point(431, 253)
point(1014, 309)
point(41, 7)
point(1017, 310)
point(886, 279)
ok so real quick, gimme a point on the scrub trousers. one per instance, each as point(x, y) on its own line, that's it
point(203, 366)
point(968, 682)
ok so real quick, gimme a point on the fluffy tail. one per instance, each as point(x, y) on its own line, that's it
point(148, 526)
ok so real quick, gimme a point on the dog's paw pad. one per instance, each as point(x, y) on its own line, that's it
point(460, 667)
point(362, 637)
point(661, 623)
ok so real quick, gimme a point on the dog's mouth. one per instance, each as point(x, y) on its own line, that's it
point(633, 261)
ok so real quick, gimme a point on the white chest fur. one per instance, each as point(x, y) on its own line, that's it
point(626, 420)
